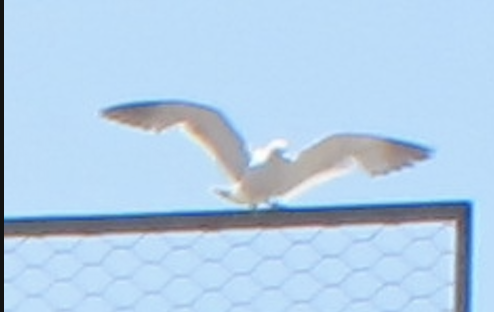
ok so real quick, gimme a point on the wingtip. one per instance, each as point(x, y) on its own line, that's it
point(105, 112)
point(428, 152)
point(423, 153)
point(411, 162)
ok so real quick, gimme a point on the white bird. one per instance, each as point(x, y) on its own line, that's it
point(278, 177)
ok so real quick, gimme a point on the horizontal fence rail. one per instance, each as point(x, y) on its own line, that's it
point(221, 220)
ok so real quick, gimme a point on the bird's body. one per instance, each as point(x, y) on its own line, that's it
point(277, 176)
point(261, 182)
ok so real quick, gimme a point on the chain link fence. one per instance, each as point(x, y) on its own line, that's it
point(388, 259)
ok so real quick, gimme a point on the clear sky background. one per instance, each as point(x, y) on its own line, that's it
point(417, 70)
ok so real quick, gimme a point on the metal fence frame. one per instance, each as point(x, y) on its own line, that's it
point(458, 212)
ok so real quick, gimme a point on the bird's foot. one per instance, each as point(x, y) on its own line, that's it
point(276, 206)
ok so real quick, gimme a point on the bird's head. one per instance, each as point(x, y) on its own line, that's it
point(274, 148)
point(277, 145)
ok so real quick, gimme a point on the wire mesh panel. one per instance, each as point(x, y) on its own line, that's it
point(367, 259)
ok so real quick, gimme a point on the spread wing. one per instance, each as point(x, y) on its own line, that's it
point(206, 125)
point(337, 154)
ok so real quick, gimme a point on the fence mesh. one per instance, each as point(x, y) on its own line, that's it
point(408, 265)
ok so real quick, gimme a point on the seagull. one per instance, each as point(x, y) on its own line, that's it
point(275, 176)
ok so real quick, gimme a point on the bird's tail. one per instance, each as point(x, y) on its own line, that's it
point(227, 195)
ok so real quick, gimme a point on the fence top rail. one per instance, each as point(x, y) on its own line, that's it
point(236, 219)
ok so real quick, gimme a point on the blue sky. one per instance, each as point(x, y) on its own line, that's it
point(417, 70)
